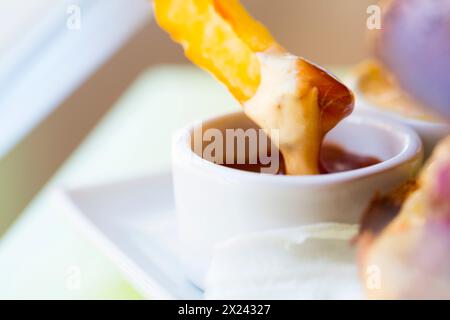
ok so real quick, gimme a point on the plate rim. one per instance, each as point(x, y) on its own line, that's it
point(149, 287)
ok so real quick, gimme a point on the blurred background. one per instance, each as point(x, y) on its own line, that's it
point(87, 96)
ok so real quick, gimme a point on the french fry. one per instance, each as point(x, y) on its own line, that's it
point(221, 37)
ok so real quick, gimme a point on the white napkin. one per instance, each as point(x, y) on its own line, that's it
point(311, 262)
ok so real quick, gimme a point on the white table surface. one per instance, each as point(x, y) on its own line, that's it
point(43, 251)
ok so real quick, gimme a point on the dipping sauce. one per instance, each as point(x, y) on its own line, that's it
point(333, 159)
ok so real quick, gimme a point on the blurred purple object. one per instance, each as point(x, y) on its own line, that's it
point(414, 44)
point(441, 192)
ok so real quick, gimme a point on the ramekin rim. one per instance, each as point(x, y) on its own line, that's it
point(412, 150)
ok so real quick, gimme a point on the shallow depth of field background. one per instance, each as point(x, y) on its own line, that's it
point(93, 113)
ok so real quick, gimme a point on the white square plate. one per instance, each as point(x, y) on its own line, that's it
point(133, 222)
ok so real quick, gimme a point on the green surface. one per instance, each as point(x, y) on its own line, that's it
point(44, 255)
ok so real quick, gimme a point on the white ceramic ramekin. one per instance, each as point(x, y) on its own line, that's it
point(430, 132)
point(215, 203)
